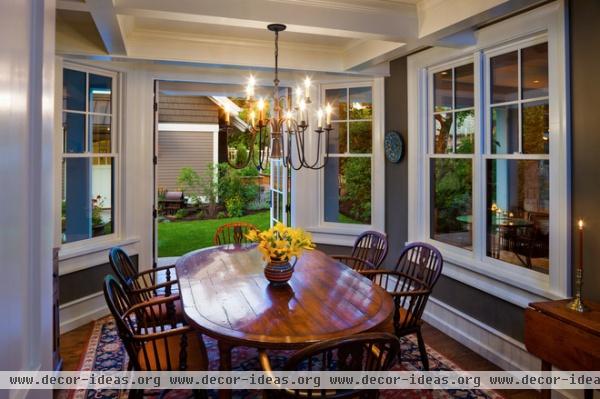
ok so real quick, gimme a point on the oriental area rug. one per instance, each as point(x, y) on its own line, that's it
point(105, 352)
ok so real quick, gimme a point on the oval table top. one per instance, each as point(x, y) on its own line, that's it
point(225, 295)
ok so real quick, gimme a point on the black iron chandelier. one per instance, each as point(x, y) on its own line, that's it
point(277, 136)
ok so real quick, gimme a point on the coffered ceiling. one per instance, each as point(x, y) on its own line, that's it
point(348, 36)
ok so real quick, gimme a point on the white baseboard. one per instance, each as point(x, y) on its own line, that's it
point(491, 344)
point(82, 311)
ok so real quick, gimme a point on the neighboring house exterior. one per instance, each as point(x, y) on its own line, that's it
point(188, 128)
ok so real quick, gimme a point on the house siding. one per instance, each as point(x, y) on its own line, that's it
point(187, 109)
point(177, 150)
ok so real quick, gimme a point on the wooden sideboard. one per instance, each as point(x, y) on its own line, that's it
point(563, 338)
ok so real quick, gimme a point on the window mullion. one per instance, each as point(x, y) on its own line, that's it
point(86, 147)
point(519, 96)
point(481, 96)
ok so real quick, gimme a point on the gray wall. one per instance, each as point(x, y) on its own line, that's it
point(585, 117)
point(396, 175)
point(85, 282)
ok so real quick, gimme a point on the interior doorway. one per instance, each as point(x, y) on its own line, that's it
point(203, 177)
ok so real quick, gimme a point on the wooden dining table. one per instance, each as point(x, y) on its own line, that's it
point(226, 296)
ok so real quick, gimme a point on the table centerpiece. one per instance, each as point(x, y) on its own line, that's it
point(279, 245)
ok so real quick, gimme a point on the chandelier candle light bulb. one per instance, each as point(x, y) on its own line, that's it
point(307, 88)
point(261, 109)
point(328, 110)
point(226, 109)
point(320, 119)
point(301, 109)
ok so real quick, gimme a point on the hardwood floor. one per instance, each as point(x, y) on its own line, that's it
point(73, 343)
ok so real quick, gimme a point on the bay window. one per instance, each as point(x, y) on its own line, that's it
point(488, 175)
point(89, 154)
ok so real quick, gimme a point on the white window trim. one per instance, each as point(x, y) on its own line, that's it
point(91, 245)
point(342, 233)
point(509, 282)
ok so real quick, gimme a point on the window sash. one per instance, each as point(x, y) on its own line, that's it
point(482, 146)
point(114, 155)
point(348, 154)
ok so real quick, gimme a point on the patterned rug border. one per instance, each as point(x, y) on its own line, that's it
point(88, 358)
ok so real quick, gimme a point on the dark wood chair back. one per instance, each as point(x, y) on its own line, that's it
point(233, 233)
point(127, 274)
point(421, 261)
point(141, 286)
point(410, 297)
point(371, 246)
point(151, 344)
point(361, 352)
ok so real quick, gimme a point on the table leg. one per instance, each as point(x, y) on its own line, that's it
point(224, 365)
point(546, 393)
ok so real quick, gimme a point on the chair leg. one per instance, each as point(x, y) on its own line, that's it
point(423, 350)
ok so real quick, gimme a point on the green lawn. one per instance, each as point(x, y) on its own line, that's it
point(178, 238)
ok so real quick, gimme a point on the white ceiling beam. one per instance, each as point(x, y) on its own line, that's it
point(105, 17)
point(441, 19)
point(71, 5)
point(368, 53)
point(231, 51)
point(349, 21)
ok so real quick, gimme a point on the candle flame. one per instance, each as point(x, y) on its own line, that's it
point(580, 224)
point(261, 104)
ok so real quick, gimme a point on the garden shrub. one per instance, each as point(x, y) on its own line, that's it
point(357, 174)
point(234, 207)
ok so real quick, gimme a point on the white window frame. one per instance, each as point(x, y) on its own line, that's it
point(94, 244)
point(344, 233)
point(510, 282)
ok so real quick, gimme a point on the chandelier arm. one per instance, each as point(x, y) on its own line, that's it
point(318, 151)
point(299, 145)
point(304, 146)
point(327, 131)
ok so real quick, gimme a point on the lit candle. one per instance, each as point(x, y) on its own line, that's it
point(261, 109)
point(250, 87)
point(319, 118)
point(328, 110)
point(301, 109)
point(252, 118)
point(226, 108)
point(580, 244)
point(307, 87)
point(288, 117)
point(299, 94)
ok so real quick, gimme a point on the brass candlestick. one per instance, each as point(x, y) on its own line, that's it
point(577, 303)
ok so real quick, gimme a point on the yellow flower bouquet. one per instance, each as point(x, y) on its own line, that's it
point(281, 243)
point(278, 246)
